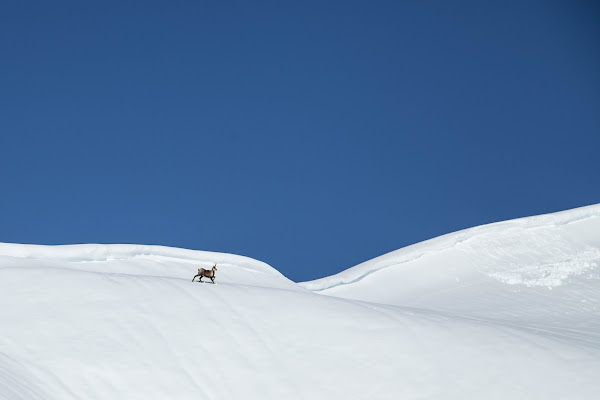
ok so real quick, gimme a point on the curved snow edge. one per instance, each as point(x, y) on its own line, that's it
point(418, 250)
point(109, 252)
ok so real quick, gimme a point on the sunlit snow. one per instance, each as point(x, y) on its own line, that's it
point(503, 311)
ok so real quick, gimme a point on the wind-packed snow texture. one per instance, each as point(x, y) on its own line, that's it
point(503, 311)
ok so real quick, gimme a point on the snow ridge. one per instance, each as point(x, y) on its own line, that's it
point(483, 239)
point(441, 319)
point(112, 252)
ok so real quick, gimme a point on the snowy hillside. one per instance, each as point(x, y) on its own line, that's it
point(541, 272)
point(503, 311)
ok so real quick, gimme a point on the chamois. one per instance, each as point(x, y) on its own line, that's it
point(209, 273)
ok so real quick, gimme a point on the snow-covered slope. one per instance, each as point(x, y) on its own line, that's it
point(159, 261)
point(126, 322)
point(541, 272)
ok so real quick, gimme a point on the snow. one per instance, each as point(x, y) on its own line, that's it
point(540, 273)
point(503, 311)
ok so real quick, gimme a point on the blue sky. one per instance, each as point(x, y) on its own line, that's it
point(310, 135)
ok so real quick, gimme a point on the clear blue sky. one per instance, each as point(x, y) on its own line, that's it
point(311, 135)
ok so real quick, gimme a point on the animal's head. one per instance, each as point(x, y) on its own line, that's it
point(214, 268)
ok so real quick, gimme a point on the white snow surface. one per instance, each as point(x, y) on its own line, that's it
point(502, 311)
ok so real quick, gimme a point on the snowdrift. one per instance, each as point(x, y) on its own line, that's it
point(159, 261)
point(544, 250)
point(125, 321)
point(542, 271)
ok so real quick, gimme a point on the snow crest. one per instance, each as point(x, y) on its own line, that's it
point(542, 250)
point(441, 319)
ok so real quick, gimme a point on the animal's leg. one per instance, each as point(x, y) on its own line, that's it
point(200, 278)
point(212, 278)
point(194, 278)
